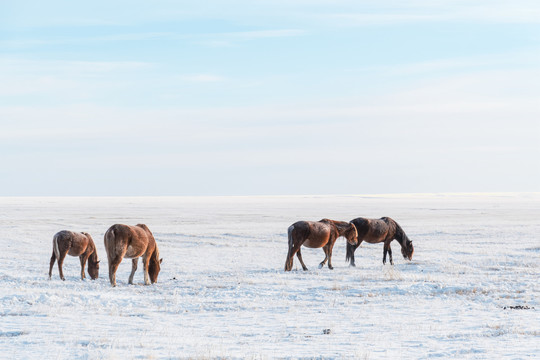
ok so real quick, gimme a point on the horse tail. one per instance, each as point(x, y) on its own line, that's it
point(350, 252)
point(290, 235)
point(109, 243)
point(56, 249)
point(289, 261)
point(53, 258)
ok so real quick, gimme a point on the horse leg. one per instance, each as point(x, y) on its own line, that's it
point(146, 261)
point(113, 266)
point(83, 259)
point(53, 259)
point(299, 255)
point(325, 257)
point(61, 258)
point(350, 252)
point(289, 260)
point(109, 262)
point(293, 249)
point(388, 250)
point(133, 269)
point(330, 257)
point(112, 271)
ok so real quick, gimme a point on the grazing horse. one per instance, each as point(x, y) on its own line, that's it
point(316, 234)
point(75, 244)
point(380, 230)
point(132, 242)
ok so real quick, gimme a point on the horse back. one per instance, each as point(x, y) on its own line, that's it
point(300, 229)
point(372, 230)
point(73, 242)
point(312, 234)
point(133, 241)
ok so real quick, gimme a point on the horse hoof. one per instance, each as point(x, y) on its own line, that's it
point(320, 266)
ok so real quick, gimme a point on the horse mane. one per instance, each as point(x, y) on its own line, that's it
point(342, 226)
point(155, 254)
point(154, 265)
point(93, 258)
point(399, 234)
point(143, 226)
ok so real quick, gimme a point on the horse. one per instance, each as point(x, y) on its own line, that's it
point(132, 242)
point(75, 244)
point(375, 231)
point(316, 234)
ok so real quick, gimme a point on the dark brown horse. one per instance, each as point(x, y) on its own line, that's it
point(380, 230)
point(316, 234)
point(75, 244)
point(132, 242)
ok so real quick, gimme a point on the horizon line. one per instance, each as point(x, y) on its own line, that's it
point(404, 194)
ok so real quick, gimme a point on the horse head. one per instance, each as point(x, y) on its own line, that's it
point(93, 261)
point(407, 250)
point(154, 266)
point(351, 234)
point(93, 266)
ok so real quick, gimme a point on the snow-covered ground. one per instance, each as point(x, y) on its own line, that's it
point(222, 291)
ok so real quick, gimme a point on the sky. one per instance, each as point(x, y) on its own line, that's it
point(159, 98)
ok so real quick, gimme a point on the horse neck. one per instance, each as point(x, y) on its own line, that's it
point(400, 235)
point(155, 255)
point(93, 258)
point(342, 226)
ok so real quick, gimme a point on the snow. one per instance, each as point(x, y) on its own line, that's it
point(222, 291)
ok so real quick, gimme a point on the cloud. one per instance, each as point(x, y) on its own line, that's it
point(65, 78)
point(392, 12)
point(226, 39)
point(203, 78)
point(218, 39)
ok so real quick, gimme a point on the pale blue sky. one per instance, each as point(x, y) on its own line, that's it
point(268, 97)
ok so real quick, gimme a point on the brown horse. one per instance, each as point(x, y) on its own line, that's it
point(380, 230)
point(132, 242)
point(316, 234)
point(75, 244)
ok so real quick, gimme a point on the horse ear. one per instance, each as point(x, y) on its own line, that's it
point(160, 260)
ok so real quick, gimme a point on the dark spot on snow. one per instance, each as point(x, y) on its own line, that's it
point(12, 333)
point(518, 307)
point(326, 331)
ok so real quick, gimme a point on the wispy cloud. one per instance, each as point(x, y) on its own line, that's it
point(62, 77)
point(203, 78)
point(515, 59)
point(11, 65)
point(230, 38)
point(391, 12)
point(217, 39)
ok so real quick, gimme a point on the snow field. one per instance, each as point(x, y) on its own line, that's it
point(222, 291)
